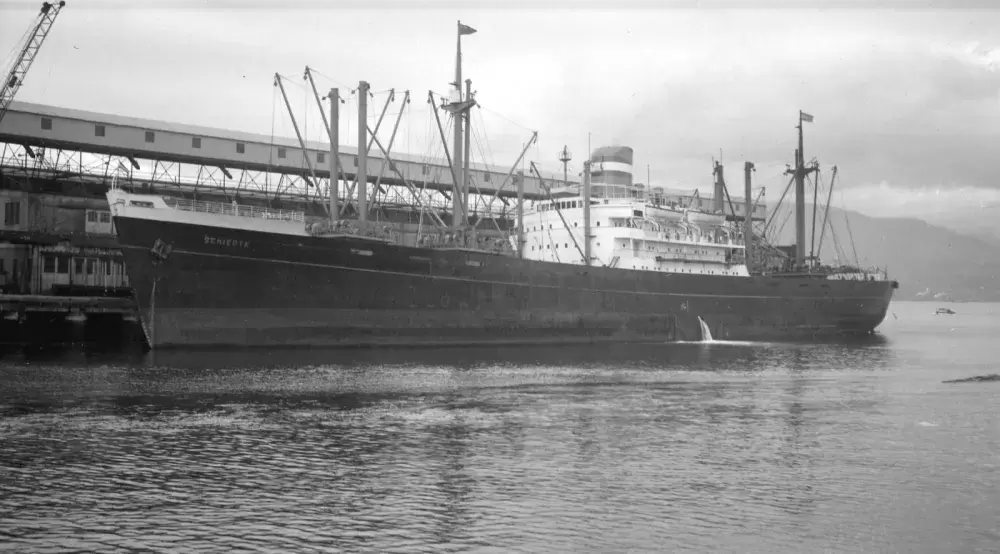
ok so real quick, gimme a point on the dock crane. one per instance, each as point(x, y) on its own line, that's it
point(15, 77)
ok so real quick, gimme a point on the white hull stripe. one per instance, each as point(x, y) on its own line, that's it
point(611, 166)
point(504, 283)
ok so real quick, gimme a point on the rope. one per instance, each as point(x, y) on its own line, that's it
point(347, 104)
point(850, 234)
point(489, 147)
point(305, 136)
point(270, 151)
point(526, 128)
point(784, 221)
point(328, 78)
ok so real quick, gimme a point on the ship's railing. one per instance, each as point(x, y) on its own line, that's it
point(380, 230)
point(235, 209)
point(672, 256)
point(851, 273)
point(447, 239)
point(672, 236)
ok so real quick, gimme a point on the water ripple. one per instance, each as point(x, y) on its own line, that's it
point(718, 448)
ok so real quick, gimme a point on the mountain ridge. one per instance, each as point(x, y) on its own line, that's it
point(923, 257)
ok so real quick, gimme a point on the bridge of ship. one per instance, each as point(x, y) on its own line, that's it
point(67, 144)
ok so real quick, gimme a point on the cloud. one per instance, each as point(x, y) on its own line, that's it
point(886, 200)
point(917, 114)
point(909, 98)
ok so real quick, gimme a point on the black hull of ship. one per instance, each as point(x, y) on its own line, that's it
point(221, 287)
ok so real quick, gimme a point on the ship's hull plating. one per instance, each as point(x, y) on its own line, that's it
point(231, 287)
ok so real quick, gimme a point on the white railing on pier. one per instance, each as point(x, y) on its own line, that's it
point(222, 208)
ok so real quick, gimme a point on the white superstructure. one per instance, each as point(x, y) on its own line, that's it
point(633, 234)
point(630, 229)
point(212, 214)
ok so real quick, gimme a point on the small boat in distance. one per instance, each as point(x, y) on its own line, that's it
point(946, 311)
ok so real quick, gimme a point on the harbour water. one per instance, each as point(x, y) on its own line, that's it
point(693, 447)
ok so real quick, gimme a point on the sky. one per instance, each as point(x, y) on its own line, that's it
point(905, 95)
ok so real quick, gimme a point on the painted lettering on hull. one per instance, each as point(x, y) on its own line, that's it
point(231, 243)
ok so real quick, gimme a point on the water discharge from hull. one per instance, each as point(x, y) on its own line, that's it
point(706, 333)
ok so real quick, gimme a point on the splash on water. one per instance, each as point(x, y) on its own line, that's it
point(706, 338)
point(706, 333)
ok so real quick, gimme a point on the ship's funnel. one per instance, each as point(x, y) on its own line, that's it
point(611, 165)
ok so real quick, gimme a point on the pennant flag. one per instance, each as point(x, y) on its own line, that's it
point(465, 29)
point(805, 117)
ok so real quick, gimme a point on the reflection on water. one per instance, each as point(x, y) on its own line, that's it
point(662, 447)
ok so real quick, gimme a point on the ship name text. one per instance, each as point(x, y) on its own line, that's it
point(227, 242)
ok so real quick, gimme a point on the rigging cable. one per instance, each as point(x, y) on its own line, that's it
point(850, 234)
point(487, 207)
point(270, 153)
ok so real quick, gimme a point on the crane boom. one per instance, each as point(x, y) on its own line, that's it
point(10, 85)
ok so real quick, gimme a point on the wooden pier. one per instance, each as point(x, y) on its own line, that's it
point(44, 320)
point(68, 305)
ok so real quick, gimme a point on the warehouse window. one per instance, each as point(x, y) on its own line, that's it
point(49, 264)
point(47, 123)
point(195, 142)
point(98, 130)
point(12, 213)
point(281, 152)
point(91, 216)
point(320, 158)
point(150, 136)
point(241, 148)
point(62, 265)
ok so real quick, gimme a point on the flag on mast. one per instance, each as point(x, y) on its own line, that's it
point(803, 116)
point(465, 29)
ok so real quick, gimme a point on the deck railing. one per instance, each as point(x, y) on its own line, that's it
point(233, 209)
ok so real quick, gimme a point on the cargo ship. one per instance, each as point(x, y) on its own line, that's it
point(600, 260)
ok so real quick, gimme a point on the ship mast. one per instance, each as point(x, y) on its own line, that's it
point(800, 173)
point(460, 108)
point(565, 156)
point(748, 246)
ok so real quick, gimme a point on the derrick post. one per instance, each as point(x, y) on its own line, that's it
point(586, 212)
point(748, 168)
point(334, 155)
point(467, 116)
point(520, 214)
point(800, 194)
point(457, 211)
point(812, 234)
point(362, 176)
point(800, 202)
point(720, 188)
